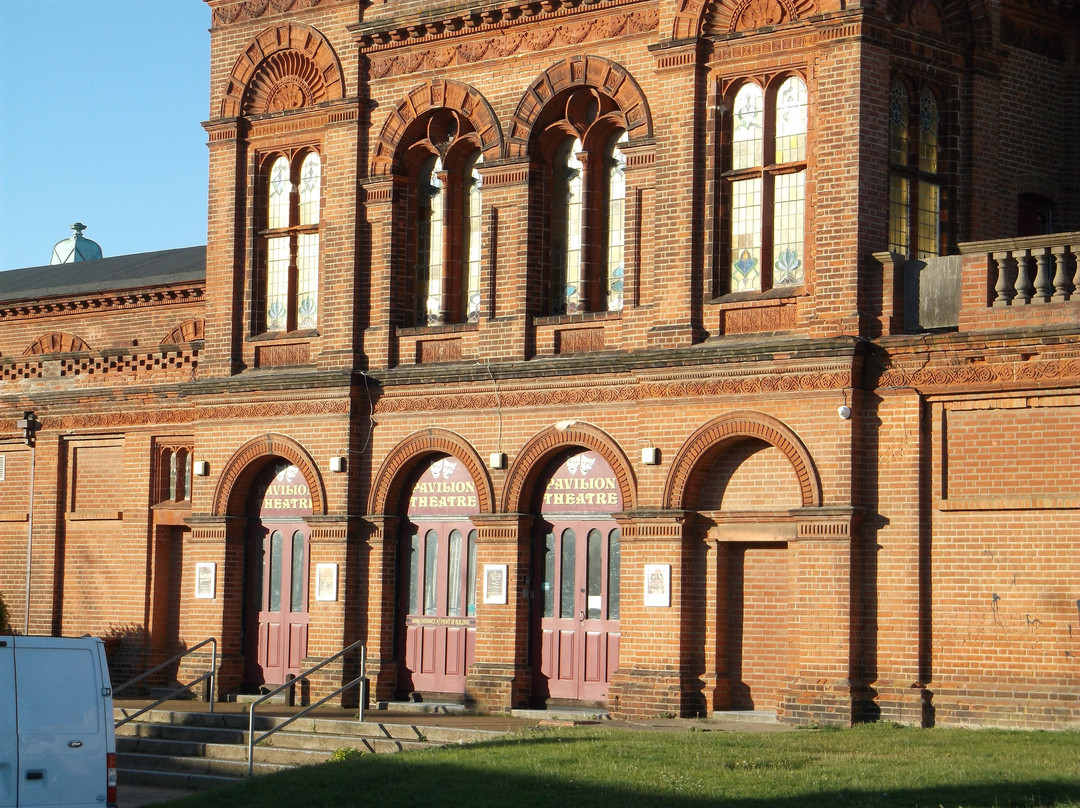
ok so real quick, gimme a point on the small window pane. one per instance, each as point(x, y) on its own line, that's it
point(566, 574)
point(928, 132)
point(307, 280)
point(310, 179)
point(791, 121)
point(747, 137)
point(929, 219)
point(297, 599)
point(472, 239)
point(280, 188)
point(549, 575)
point(453, 574)
point(172, 475)
point(566, 229)
point(788, 215)
point(471, 593)
point(614, 574)
point(746, 235)
point(412, 570)
point(274, 595)
point(594, 580)
point(899, 214)
point(277, 284)
point(898, 124)
point(616, 226)
point(431, 564)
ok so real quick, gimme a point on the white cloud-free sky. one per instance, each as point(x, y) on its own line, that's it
point(101, 103)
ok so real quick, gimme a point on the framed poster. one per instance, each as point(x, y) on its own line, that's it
point(495, 583)
point(657, 584)
point(205, 579)
point(326, 582)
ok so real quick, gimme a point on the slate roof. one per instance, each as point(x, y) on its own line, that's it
point(160, 268)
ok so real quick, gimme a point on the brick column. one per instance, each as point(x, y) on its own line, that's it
point(331, 623)
point(220, 541)
point(384, 299)
point(658, 644)
point(373, 596)
point(679, 188)
point(821, 689)
point(501, 678)
point(506, 307)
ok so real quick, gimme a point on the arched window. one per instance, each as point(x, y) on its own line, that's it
point(915, 176)
point(445, 217)
point(582, 135)
point(766, 186)
point(290, 239)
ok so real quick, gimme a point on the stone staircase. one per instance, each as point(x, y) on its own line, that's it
point(199, 750)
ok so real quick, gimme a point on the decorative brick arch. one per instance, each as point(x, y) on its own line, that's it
point(56, 342)
point(187, 331)
point(530, 463)
point(715, 18)
point(437, 94)
point(708, 441)
point(250, 459)
point(286, 66)
point(602, 75)
point(957, 20)
point(394, 470)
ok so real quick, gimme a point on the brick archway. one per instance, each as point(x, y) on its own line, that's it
point(528, 466)
point(285, 61)
point(702, 447)
point(601, 74)
point(387, 488)
point(246, 463)
point(437, 94)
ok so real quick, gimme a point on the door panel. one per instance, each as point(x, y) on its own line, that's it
point(8, 748)
point(578, 567)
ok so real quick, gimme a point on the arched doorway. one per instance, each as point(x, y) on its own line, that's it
point(437, 579)
point(276, 580)
point(577, 574)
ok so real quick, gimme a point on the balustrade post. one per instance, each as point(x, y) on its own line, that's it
point(1044, 288)
point(1064, 283)
point(1024, 287)
point(1004, 289)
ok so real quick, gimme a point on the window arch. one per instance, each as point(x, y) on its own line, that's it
point(916, 177)
point(443, 221)
point(583, 202)
point(765, 185)
point(289, 242)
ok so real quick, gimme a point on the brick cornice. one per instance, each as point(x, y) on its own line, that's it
point(110, 302)
point(229, 12)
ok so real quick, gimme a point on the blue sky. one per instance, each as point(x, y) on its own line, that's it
point(101, 103)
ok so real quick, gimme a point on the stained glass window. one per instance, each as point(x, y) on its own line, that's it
point(292, 245)
point(566, 228)
point(430, 243)
point(914, 161)
point(472, 239)
point(770, 197)
point(616, 241)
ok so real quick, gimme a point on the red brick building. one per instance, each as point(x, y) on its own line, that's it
point(671, 356)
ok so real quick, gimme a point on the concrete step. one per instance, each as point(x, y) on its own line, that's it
point(173, 779)
point(136, 761)
point(746, 716)
point(573, 713)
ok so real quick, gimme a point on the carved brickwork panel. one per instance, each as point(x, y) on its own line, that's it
point(272, 356)
point(438, 350)
point(579, 340)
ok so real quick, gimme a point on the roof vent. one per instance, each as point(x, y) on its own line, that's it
point(75, 248)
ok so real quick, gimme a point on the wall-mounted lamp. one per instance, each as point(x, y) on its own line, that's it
point(201, 468)
point(337, 463)
point(650, 456)
point(497, 460)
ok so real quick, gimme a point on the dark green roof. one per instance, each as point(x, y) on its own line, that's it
point(123, 272)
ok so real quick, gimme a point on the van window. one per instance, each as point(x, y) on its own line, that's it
point(58, 691)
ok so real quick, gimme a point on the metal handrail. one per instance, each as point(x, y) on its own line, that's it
point(252, 740)
point(211, 675)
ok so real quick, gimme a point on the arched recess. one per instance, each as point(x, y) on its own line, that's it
point(696, 455)
point(386, 491)
point(530, 463)
point(187, 331)
point(729, 16)
point(246, 463)
point(957, 21)
point(286, 66)
point(437, 94)
point(580, 71)
point(56, 342)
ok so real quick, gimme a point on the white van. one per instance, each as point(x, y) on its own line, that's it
point(57, 745)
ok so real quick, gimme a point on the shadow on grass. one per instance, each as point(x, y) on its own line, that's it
point(440, 780)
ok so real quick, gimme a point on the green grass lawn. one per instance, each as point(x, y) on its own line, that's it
point(874, 765)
